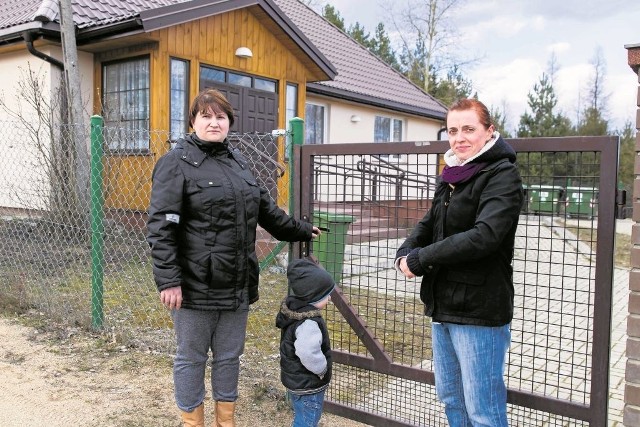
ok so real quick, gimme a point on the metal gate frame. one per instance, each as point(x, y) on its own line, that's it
point(595, 413)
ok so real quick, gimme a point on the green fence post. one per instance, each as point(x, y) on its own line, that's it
point(97, 227)
point(296, 128)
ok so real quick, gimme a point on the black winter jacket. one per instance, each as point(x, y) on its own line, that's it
point(467, 240)
point(205, 207)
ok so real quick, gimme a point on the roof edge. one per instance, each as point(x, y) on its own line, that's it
point(299, 37)
point(154, 19)
point(320, 89)
point(179, 13)
point(14, 34)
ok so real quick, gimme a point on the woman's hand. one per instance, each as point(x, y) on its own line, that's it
point(315, 232)
point(405, 268)
point(171, 297)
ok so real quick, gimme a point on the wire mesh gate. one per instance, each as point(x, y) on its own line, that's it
point(370, 195)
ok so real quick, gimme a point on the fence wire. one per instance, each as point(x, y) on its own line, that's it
point(46, 246)
point(368, 203)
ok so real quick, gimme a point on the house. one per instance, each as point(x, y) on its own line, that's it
point(142, 62)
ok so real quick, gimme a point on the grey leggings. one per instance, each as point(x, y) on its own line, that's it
point(196, 332)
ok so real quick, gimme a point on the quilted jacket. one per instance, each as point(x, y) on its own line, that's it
point(204, 211)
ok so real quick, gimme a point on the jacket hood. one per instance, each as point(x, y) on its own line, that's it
point(500, 150)
point(308, 282)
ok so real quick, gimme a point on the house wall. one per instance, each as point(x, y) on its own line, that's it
point(27, 151)
point(342, 129)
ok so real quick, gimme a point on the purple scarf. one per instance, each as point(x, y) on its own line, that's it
point(459, 174)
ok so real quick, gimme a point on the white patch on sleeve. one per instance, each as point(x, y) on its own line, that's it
point(173, 218)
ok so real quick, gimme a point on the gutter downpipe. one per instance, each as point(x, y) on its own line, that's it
point(440, 133)
point(28, 39)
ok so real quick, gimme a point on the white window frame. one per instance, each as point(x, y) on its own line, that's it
point(127, 127)
point(392, 122)
point(325, 120)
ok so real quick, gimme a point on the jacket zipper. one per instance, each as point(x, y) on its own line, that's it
point(449, 195)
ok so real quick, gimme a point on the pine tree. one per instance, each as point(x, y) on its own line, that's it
point(543, 121)
point(500, 121)
point(358, 33)
point(331, 14)
point(455, 86)
point(627, 158)
point(381, 46)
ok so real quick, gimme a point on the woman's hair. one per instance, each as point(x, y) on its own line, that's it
point(210, 99)
point(475, 105)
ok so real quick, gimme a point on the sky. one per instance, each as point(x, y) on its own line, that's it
point(513, 41)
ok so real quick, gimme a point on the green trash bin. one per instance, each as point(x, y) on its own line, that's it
point(329, 247)
point(581, 201)
point(544, 199)
point(525, 202)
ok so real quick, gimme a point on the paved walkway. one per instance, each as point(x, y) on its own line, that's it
point(375, 261)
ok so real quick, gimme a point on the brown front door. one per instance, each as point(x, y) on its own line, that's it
point(255, 110)
point(256, 115)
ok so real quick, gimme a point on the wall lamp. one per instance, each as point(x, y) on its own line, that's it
point(355, 118)
point(244, 52)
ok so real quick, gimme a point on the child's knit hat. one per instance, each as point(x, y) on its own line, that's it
point(308, 281)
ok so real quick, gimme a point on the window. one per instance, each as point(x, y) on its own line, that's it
point(179, 93)
point(291, 111)
point(125, 88)
point(217, 75)
point(207, 73)
point(315, 124)
point(239, 79)
point(266, 85)
point(387, 129)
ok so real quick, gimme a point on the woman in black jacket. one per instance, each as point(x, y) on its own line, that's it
point(205, 207)
point(464, 247)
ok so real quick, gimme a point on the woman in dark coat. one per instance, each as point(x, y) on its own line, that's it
point(463, 248)
point(204, 211)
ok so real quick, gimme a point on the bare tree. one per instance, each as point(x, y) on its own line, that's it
point(592, 119)
point(44, 145)
point(596, 95)
point(316, 5)
point(426, 35)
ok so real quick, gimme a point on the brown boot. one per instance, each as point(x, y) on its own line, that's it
point(224, 414)
point(194, 418)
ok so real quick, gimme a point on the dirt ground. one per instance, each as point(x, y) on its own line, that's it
point(67, 377)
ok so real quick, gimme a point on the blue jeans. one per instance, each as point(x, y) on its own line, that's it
point(469, 366)
point(307, 409)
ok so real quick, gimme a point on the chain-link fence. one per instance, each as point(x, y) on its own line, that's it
point(72, 228)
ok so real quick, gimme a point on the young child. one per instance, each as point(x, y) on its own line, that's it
point(305, 351)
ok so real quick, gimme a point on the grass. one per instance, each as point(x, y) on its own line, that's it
point(622, 248)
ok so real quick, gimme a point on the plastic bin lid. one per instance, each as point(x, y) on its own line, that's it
point(333, 217)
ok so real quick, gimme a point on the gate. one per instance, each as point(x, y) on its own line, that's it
point(558, 363)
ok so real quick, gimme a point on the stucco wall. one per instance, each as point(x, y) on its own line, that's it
point(25, 183)
point(342, 129)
